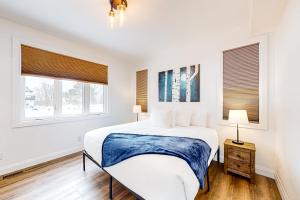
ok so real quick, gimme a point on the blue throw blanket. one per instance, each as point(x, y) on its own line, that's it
point(120, 146)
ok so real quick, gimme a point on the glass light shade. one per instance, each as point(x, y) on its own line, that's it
point(121, 7)
point(238, 117)
point(137, 109)
point(112, 18)
point(111, 13)
point(121, 12)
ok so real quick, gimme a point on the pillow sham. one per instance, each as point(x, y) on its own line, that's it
point(161, 118)
point(183, 119)
point(199, 119)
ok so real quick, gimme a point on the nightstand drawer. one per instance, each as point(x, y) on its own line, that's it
point(234, 153)
point(239, 166)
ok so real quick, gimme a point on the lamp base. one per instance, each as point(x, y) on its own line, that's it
point(239, 142)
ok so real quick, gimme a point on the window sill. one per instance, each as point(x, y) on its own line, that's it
point(260, 126)
point(57, 120)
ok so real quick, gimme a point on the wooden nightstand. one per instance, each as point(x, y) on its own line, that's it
point(240, 159)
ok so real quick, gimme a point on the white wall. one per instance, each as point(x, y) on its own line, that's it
point(207, 51)
point(29, 145)
point(287, 99)
point(265, 15)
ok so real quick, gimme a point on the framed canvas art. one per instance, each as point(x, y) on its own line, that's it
point(179, 84)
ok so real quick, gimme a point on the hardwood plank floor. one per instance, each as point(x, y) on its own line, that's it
point(65, 180)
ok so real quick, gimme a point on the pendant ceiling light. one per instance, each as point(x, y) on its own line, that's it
point(117, 12)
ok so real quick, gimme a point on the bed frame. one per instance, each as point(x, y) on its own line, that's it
point(85, 154)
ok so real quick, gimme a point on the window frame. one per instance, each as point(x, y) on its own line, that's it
point(263, 85)
point(18, 97)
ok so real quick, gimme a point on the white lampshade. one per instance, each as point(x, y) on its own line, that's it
point(137, 109)
point(238, 117)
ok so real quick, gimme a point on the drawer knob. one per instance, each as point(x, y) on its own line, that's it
point(238, 166)
point(238, 155)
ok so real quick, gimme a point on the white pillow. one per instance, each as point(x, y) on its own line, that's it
point(161, 118)
point(183, 119)
point(199, 119)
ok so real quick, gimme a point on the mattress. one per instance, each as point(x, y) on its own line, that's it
point(153, 177)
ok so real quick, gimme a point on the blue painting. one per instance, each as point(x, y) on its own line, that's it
point(180, 84)
point(195, 84)
point(162, 86)
point(169, 85)
point(183, 86)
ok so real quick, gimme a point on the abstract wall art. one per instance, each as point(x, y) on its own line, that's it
point(179, 84)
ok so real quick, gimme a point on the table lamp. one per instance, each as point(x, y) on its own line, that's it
point(238, 117)
point(137, 109)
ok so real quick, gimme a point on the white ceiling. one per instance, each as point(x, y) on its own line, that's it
point(151, 25)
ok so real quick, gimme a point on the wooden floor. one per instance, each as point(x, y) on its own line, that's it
point(65, 180)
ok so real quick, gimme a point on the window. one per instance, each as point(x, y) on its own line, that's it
point(96, 98)
point(38, 97)
point(241, 81)
point(244, 83)
point(142, 89)
point(72, 98)
point(51, 86)
point(46, 98)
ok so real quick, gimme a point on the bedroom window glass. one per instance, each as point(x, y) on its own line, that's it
point(38, 97)
point(96, 98)
point(72, 97)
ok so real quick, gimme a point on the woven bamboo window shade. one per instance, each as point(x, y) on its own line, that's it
point(39, 62)
point(142, 89)
point(241, 81)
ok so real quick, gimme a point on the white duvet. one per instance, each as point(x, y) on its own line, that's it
point(153, 177)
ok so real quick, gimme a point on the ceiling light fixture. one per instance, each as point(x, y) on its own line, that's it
point(117, 11)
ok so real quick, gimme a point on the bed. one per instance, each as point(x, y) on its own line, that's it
point(158, 177)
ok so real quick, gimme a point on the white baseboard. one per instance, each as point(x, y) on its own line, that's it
point(281, 187)
point(261, 170)
point(35, 161)
point(264, 171)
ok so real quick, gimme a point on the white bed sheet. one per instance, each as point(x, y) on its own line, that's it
point(153, 177)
